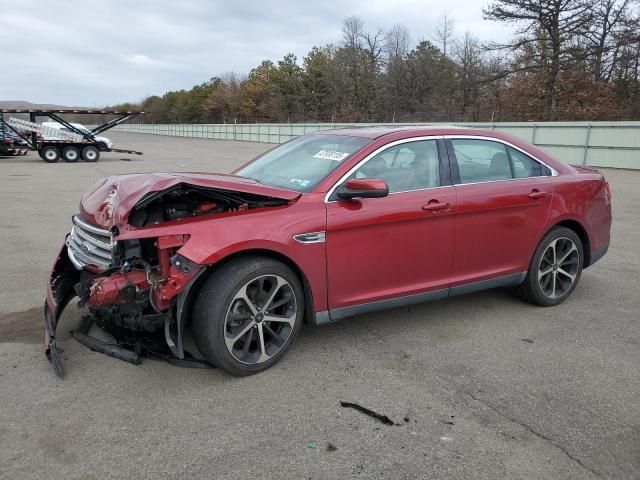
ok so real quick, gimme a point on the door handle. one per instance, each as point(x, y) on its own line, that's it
point(435, 206)
point(537, 194)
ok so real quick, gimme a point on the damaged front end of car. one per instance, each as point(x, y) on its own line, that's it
point(137, 295)
point(135, 288)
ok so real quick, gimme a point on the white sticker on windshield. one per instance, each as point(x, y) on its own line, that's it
point(298, 181)
point(331, 155)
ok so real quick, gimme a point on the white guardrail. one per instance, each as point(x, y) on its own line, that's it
point(600, 144)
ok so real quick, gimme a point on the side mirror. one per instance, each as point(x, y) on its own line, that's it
point(363, 188)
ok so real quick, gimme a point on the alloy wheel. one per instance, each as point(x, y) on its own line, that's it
point(260, 319)
point(558, 267)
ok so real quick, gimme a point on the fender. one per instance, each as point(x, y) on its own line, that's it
point(309, 259)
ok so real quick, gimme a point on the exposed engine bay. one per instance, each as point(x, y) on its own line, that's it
point(182, 201)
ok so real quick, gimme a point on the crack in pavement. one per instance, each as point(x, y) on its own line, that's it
point(496, 410)
point(530, 429)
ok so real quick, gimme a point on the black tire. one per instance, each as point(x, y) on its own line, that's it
point(90, 154)
point(50, 154)
point(537, 286)
point(71, 154)
point(218, 296)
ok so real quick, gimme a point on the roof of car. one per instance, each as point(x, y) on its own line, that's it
point(409, 131)
point(377, 132)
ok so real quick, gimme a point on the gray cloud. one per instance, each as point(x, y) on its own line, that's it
point(94, 53)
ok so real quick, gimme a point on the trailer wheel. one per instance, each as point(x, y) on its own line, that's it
point(50, 154)
point(90, 154)
point(71, 154)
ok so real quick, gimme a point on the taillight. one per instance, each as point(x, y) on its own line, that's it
point(608, 189)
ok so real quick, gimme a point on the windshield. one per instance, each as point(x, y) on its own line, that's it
point(304, 162)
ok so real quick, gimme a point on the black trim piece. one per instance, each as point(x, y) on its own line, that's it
point(453, 162)
point(504, 281)
point(321, 318)
point(445, 167)
point(508, 149)
point(81, 334)
point(330, 316)
point(182, 308)
point(344, 312)
point(598, 254)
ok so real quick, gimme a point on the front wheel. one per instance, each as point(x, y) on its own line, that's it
point(247, 315)
point(555, 268)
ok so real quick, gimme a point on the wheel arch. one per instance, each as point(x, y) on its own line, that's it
point(582, 233)
point(309, 310)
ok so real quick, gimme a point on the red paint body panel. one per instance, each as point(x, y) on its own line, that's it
point(498, 227)
point(378, 248)
point(583, 198)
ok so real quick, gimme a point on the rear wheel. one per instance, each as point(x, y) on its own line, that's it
point(248, 314)
point(555, 268)
point(71, 154)
point(90, 154)
point(50, 154)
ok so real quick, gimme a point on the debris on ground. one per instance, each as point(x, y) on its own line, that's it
point(528, 340)
point(381, 418)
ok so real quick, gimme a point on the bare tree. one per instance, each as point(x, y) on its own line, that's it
point(444, 32)
point(352, 31)
point(547, 27)
point(468, 57)
point(397, 40)
point(605, 35)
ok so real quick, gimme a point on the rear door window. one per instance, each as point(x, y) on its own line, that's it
point(481, 160)
point(485, 161)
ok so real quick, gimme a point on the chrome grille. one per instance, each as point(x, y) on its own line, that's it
point(89, 245)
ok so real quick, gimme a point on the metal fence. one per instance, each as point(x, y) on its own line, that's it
point(601, 144)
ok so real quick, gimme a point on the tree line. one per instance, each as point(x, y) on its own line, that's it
point(568, 60)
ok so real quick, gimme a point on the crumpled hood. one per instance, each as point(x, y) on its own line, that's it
point(109, 201)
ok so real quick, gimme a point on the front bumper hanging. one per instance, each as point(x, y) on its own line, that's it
point(67, 281)
point(135, 353)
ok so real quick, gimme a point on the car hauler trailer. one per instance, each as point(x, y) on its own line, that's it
point(11, 144)
point(72, 143)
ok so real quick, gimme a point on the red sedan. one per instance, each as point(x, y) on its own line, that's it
point(326, 226)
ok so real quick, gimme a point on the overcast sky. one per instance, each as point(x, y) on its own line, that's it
point(93, 53)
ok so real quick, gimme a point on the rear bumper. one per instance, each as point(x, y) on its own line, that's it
point(598, 254)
